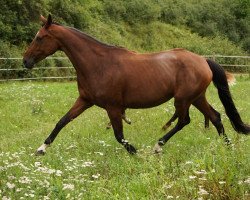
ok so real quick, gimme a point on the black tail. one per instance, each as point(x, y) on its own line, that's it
point(220, 81)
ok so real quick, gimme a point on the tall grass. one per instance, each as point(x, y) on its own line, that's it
point(85, 161)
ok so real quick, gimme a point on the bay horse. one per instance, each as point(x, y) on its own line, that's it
point(231, 81)
point(115, 78)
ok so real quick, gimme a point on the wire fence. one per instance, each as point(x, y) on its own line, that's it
point(11, 69)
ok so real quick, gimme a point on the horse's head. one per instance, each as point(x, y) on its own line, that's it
point(43, 45)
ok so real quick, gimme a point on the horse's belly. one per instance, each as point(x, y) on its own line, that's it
point(146, 99)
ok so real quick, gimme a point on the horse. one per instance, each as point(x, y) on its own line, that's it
point(115, 79)
point(231, 81)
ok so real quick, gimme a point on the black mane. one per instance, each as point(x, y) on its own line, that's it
point(84, 35)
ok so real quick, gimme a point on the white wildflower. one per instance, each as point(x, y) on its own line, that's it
point(80, 194)
point(6, 198)
point(73, 160)
point(38, 164)
point(71, 146)
point(202, 191)
point(103, 143)
point(10, 185)
point(46, 183)
point(170, 197)
point(99, 153)
point(46, 198)
point(11, 177)
point(15, 155)
point(24, 167)
point(247, 181)
point(31, 195)
point(58, 173)
point(222, 182)
point(203, 179)
point(200, 172)
point(96, 176)
point(168, 186)
point(46, 170)
point(24, 180)
point(192, 177)
point(68, 187)
point(88, 164)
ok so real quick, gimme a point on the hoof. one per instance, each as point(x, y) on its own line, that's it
point(108, 127)
point(227, 141)
point(206, 126)
point(157, 148)
point(132, 150)
point(42, 149)
point(40, 153)
point(128, 121)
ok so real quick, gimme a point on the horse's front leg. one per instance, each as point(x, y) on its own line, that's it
point(115, 116)
point(79, 106)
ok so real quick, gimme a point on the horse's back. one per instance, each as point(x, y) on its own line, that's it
point(151, 79)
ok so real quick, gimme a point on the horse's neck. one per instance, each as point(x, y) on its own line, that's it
point(83, 52)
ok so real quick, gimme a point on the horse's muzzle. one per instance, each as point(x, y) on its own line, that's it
point(28, 63)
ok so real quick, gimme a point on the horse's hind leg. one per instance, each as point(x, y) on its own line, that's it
point(115, 116)
point(183, 119)
point(206, 121)
point(202, 105)
point(168, 124)
point(124, 117)
point(174, 117)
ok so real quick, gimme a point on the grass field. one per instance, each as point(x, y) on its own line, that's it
point(86, 162)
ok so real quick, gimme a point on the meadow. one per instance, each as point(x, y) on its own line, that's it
point(86, 162)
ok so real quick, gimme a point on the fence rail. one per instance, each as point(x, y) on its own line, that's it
point(237, 64)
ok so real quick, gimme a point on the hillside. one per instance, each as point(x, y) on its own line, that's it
point(140, 25)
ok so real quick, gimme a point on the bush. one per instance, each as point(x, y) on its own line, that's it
point(206, 27)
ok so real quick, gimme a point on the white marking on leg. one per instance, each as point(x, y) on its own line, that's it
point(124, 142)
point(157, 148)
point(42, 148)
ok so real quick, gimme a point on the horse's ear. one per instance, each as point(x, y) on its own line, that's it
point(48, 22)
point(43, 19)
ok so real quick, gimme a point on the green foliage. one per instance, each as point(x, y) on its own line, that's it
point(18, 20)
point(228, 18)
point(133, 12)
point(205, 27)
point(224, 18)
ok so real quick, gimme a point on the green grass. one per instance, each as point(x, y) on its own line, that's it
point(86, 162)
